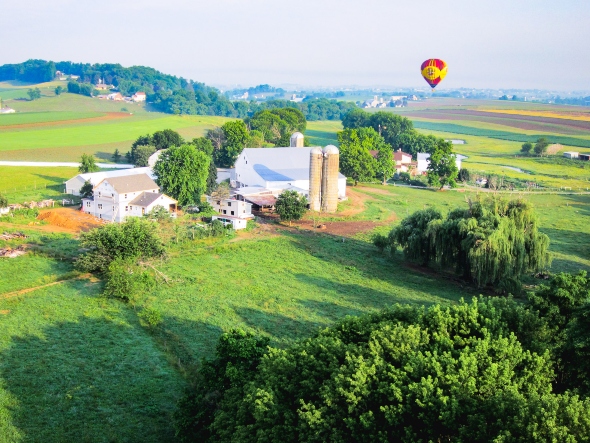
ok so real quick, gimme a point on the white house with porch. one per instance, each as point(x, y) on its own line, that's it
point(232, 211)
point(116, 198)
point(73, 185)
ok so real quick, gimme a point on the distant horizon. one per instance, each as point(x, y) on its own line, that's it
point(530, 44)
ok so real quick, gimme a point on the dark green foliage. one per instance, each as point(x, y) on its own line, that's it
point(442, 169)
point(182, 173)
point(3, 201)
point(80, 88)
point(407, 374)
point(33, 71)
point(59, 90)
point(34, 94)
point(411, 236)
point(87, 190)
point(125, 280)
point(541, 146)
point(526, 147)
point(558, 301)
point(235, 138)
point(291, 206)
point(87, 164)
point(277, 125)
point(116, 156)
point(492, 242)
point(464, 175)
point(356, 118)
point(141, 155)
point(388, 125)
point(166, 139)
point(211, 178)
point(134, 239)
point(236, 358)
point(356, 160)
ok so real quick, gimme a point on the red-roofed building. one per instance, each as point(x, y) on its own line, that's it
point(138, 97)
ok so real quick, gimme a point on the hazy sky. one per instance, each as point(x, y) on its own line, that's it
point(496, 44)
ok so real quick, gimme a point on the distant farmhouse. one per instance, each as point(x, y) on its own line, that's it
point(7, 110)
point(396, 101)
point(116, 198)
point(138, 97)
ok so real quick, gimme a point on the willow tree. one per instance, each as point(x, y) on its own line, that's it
point(492, 242)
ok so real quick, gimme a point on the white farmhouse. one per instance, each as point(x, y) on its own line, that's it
point(423, 162)
point(232, 211)
point(277, 169)
point(116, 198)
point(73, 185)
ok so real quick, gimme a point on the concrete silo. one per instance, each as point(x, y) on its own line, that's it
point(330, 179)
point(316, 158)
point(297, 140)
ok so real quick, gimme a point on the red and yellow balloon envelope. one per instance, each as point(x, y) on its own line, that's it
point(433, 71)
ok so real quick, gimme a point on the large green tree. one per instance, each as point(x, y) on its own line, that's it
point(356, 160)
point(541, 146)
point(3, 201)
point(87, 164)
point(442, 169)
point(461, 373)
point(291, 206)
point(182, 173)
point(235, 139)
point(492, 242)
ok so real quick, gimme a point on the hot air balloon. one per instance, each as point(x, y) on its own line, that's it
point(433, 71)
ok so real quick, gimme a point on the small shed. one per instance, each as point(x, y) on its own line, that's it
point(236, 222)
point(584, 157)
point(571, 154)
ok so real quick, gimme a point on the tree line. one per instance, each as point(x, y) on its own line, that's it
point(166, 93)
point(369, 140)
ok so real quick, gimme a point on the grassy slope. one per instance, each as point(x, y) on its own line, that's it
point(8, 120)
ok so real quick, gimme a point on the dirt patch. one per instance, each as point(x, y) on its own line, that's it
point(70, 219)
point(12, 252)
point(4, 311)
point(108, 116)
point(8, 236)
point(357, 200)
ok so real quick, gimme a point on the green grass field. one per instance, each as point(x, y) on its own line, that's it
point(24, 183)
point(76, 366)
point(29, 118)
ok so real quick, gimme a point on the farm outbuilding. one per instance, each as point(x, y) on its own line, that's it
point(571, 154)
point(584, 157)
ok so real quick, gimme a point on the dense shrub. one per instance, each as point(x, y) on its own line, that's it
point(134, 239)
point(478, 372)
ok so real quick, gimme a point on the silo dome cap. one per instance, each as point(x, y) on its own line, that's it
point(317, 150)
point(297, 135)
point(331, 149)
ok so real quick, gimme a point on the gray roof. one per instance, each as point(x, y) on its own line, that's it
point(146, 198)
point(132, 183)
point(280, 164)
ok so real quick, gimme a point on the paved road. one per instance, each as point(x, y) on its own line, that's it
point(66, 164)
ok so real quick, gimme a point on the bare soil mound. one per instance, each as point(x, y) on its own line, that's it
point(70, 218)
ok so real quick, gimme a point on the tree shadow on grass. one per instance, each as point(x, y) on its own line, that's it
point(567, 242)
point(283, 330)
point(362, 258)
point(88, 381)
point(55, 180)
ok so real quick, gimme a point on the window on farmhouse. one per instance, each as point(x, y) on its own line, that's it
point(232, 212)
point(224, 211)
point(126, 208)
point(99, 206)
point(125, 195)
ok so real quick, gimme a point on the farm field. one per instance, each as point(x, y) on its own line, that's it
point(24, 183)
point(65, 350)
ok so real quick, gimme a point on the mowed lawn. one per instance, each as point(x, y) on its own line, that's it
point(22, 183)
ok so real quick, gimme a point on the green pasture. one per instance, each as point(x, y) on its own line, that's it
point(25, 183)
point(76, 366)
point(28, 118)
point(323, 133)
point(100, 138)
point(73, 102)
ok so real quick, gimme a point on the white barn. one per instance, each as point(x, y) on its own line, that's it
point(276, 168)
point(73, 185)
